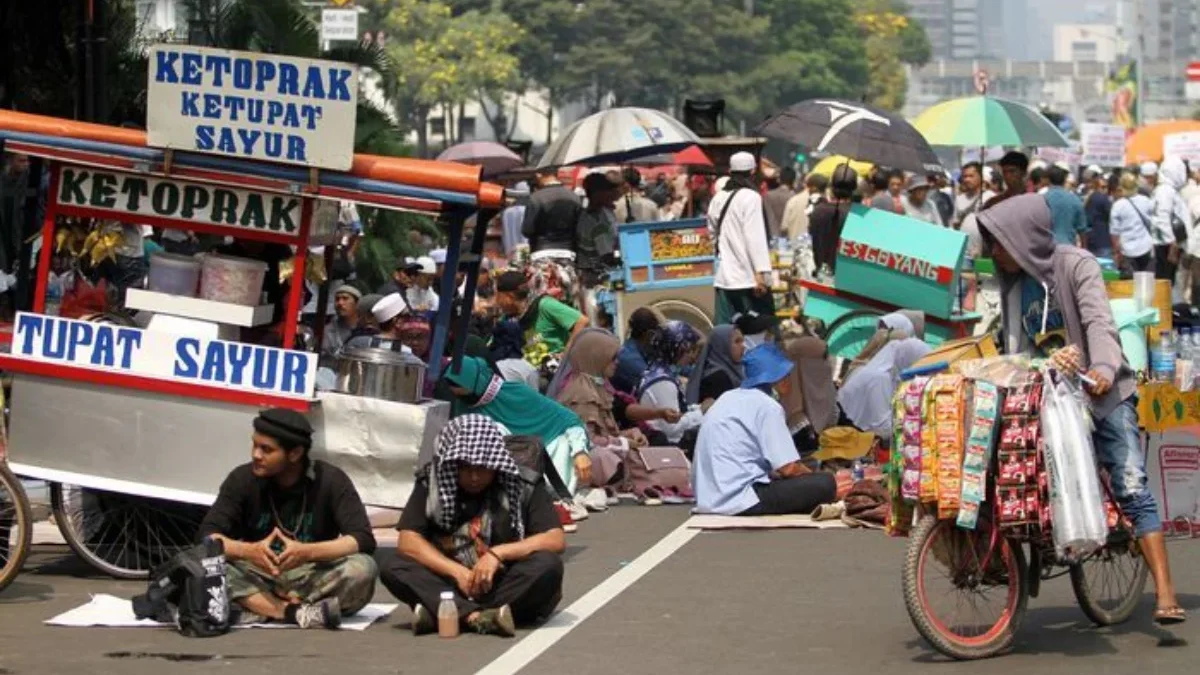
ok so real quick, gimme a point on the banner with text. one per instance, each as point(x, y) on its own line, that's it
point(1103, 144)
point(252, 105)
point(1184, 145)
point(190, 203)
point(1173, 467)
point(164, 356)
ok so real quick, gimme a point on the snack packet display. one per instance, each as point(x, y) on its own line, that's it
point(905, 465)
point(948, 394)
point(986, 401)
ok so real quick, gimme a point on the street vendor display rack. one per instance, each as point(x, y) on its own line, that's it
point(135, 430)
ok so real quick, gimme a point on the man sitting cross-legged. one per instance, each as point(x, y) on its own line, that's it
point(296, 535)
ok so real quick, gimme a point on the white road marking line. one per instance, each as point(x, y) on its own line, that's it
point(536, 643)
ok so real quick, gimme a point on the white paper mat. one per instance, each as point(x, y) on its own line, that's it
point(111, 611)
point(713, 522)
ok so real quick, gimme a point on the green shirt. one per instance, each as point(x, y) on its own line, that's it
point(552, 326)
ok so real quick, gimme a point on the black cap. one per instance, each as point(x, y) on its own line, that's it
point(753, 323)
point(512, 280)
point(290, 428)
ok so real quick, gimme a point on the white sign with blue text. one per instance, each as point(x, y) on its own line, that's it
point(164, 356)
point(252, 105)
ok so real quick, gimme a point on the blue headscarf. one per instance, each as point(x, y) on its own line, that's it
point(671, 343)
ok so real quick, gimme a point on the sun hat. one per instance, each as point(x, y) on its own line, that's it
point(916, 182)
point(766, 364)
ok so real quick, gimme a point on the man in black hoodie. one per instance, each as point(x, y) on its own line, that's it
point(296, 535)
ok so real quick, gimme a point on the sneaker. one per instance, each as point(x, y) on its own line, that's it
point(578, 511)
point(592, 500)
point(495, 622)
point(423, 622)
point(324, 614)
point(564, 518)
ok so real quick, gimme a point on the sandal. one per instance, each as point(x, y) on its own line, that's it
point(1169, 616)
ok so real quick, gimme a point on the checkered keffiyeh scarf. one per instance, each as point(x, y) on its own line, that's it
point(472, 440)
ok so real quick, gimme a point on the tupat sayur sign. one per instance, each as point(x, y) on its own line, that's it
point(252, 105)
point(164, 356)
point(189, 203)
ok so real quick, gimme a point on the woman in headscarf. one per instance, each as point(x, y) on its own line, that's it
point(895, 326)
point(866, 396)
point(474, 527)
point(719, 367)
point(811, 399)
point(583, 384)
point(522, 411)
point(674, 347)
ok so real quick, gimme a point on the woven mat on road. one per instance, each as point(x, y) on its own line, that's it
point(711, 522)
point(113, 612)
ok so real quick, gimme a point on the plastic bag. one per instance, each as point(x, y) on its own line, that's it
point(1077, 512)
point(1002, 371)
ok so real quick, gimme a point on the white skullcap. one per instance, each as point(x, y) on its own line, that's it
point(389, 307)
point(742, 162)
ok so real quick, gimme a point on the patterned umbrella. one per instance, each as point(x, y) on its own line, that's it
point(986, 121)
point(616, 136)
point(493, 157)
point(856, 130)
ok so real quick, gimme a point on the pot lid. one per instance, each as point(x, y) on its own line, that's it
point(381, 356)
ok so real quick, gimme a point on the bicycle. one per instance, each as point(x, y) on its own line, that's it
point(987, 559)
point(16, 526)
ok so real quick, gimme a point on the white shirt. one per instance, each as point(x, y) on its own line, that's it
point(664, 394)
point(1129, 228)
point(743, 245)
point(1167, 203)
point(422, 299)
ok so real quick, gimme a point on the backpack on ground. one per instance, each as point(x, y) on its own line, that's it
point(190, 591)
point(659, 473)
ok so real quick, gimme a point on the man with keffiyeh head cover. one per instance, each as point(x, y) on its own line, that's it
point(472, 524)
point(295, 532)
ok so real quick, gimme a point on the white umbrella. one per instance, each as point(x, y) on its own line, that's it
point(618, 135)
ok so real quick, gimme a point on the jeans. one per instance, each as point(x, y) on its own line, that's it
point(1119, 451)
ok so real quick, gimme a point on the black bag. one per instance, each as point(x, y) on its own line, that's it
point(531, 457)
point(190, 591)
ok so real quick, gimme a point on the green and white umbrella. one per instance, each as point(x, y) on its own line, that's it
point(616, 136)
point(986, 121)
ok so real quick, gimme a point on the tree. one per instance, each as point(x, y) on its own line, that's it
point(817, 51)
point(40, 64)
point(891, 40)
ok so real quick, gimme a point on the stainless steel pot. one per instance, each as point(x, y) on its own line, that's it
point(382, 374)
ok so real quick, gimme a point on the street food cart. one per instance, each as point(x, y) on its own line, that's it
point(135, 428)
point(887, 262)
point(669, 267)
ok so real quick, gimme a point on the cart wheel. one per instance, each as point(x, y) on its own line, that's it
point(850, 332)
point(679, 310)
point(124, 536)
point(965, 608)
point(16, 526)
point(1109, 583)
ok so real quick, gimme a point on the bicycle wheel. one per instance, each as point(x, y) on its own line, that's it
point(850, 332)
point(945, 567)
point(124, 536)
point(16, 526)
point(1109, 583)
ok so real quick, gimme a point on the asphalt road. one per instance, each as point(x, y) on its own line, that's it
point(725, 602)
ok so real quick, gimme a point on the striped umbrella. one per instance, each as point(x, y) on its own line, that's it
point(986, 121)
point(616, 136)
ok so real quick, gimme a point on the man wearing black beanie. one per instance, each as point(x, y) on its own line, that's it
point(296, 534)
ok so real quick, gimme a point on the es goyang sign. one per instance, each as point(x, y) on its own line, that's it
point(188, 203)
point(252, 105)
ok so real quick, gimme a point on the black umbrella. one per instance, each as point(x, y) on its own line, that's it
point(856, 130)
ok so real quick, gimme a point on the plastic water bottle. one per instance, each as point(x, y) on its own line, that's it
point(1187, 346)
point(54, 294)
point(857, 471)
point(447, 615)
point(1162, 359)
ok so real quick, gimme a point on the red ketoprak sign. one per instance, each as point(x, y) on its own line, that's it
point(914, 267)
